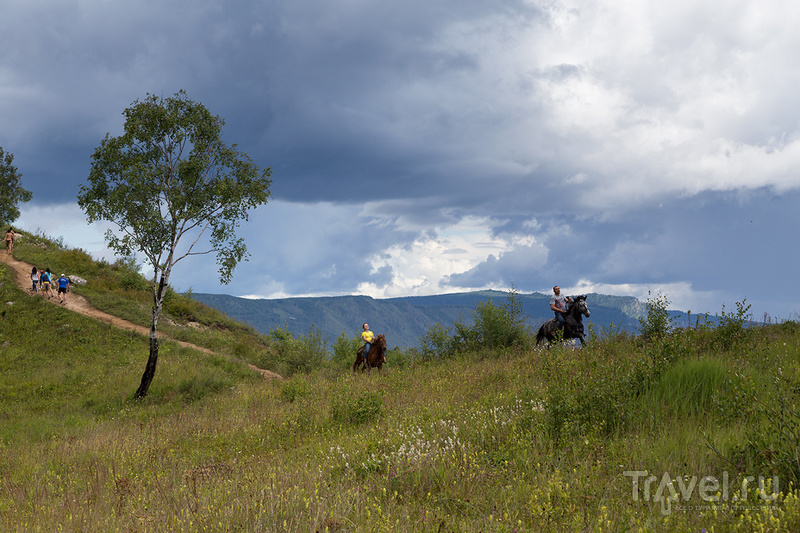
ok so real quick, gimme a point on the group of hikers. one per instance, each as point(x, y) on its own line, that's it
point(41, 278)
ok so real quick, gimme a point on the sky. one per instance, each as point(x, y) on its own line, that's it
point(426, 147)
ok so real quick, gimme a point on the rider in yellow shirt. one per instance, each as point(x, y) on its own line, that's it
point(367, 336)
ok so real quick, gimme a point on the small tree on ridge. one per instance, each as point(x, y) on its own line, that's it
point(170, 177)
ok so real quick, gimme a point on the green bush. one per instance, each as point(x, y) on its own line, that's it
point(295, 388)
point(364, 408)
point(198, 387)
point(493, 327)
point(436, 343)
point(300, 355)
point(731, 329)
point(180, 306)
point(345, 348)
point(657, 323)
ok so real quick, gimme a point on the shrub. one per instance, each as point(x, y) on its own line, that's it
point(366, 407)
point(292, 389)
point(299, 355)
point(180, 307)
point(731, 328)
point(657, 323)
point(436, 343)
point(493, 326)
point(345, 348)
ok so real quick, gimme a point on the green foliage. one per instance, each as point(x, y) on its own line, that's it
point(356, 410)
point(300, 355)
point(436, 343)
point(170, 178)
point(774, 444)
point(657, 323)
point(731, 329)
point(345, 348)
point(688, 388)
point(180, 307)
point(197, 387)
point(11, 192)
point(493, 327)
point(295, 388)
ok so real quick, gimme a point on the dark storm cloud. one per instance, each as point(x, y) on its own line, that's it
point(427, 145)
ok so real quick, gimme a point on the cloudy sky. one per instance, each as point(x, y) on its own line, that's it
point(424, 147)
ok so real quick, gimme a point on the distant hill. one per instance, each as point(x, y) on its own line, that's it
point(405, 320)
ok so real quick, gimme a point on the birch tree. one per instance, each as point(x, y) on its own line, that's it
point(172, 189)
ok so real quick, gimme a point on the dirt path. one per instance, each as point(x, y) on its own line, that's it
point(79, 304)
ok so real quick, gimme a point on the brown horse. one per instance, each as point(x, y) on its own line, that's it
point(376, 356)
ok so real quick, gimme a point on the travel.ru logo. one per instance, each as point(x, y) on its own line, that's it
point(710, 489)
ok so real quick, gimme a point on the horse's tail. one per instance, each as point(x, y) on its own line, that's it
point(359, 360)
point(540, 335)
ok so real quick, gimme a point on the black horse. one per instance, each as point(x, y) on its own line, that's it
point(573, 323)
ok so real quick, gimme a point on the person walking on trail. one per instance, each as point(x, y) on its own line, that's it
point(63, 283)
point(10, 238)
point(45, 280)
point(558, 304)
point(35, 280)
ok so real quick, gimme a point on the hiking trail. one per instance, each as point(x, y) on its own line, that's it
point(79, 304)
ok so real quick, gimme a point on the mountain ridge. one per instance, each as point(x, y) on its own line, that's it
point(405, 319)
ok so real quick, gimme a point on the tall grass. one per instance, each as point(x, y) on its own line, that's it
point(688, 389)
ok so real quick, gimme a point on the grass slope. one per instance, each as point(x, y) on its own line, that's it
point(501, 440)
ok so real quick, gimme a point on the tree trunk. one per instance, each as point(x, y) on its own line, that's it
point(152, 361)
point(150, 368)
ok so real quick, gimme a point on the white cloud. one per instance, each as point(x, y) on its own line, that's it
point(680, 294)
point(68, 223)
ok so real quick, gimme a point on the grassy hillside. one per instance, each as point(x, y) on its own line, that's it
point(628, 434)
point(120, 290)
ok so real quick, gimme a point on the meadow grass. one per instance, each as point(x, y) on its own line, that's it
point(506, 440)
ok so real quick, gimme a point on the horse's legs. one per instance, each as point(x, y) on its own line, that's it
point(360, 359)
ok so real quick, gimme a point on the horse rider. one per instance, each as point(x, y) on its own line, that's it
point(367, 336)
point(558, 304)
